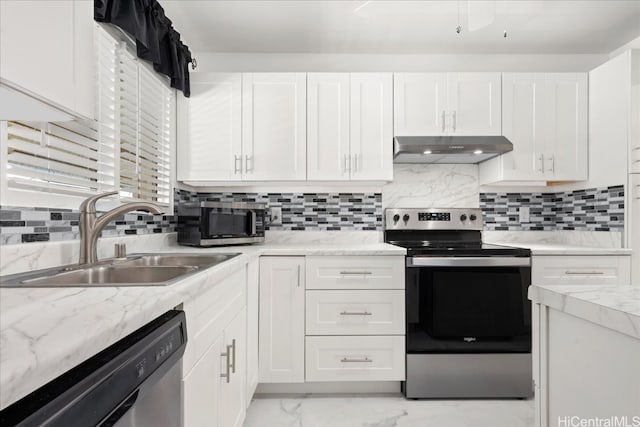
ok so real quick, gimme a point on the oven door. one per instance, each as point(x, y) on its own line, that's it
point(468, 305)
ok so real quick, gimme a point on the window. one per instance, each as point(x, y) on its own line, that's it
point(127, 148)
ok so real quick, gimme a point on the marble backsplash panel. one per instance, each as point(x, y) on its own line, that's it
point(432, 186)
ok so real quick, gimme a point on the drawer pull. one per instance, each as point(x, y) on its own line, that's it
point(350, 313)
point(355, 273)
point(584, 273)
point(227, 374)
point(346, 360)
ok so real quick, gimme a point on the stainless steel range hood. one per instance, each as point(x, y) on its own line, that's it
point(448, 149)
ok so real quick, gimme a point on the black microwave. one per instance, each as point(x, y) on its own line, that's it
point(220, 223)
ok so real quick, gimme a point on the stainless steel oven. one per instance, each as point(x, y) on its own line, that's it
point(468, 318)
point(220, 223)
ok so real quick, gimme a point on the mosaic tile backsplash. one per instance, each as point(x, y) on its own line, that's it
point(309, 211)
point(23, 225)
point(593, 209)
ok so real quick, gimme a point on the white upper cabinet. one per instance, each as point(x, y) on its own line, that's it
point(545, 117)
point(419, 103)
point(46, 50)
point(274, 126)
point(371, 126)
point(565, 157)
point(210, 129)
point(349, 119)
point(328, 126)
point(475, 105)
point(436, 104)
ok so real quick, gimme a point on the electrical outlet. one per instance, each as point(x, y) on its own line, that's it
point(523, 213)
point(276, 216)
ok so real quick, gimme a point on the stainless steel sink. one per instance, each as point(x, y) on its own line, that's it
point(177, 259)
point(135, 270)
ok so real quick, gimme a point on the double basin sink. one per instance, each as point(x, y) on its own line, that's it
point(134, 270)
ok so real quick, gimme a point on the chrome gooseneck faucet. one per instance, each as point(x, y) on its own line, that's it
point(91, 226)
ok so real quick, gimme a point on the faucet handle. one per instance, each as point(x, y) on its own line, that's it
point(89, 204)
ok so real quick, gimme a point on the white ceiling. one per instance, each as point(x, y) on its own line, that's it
point(405, 27)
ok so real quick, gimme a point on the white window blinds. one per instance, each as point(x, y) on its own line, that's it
point(146, 113)
point(64, 158)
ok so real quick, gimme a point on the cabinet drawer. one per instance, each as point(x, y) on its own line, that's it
point(581, 270)
point(376, 358)
point(359, 312)
point(355, 272)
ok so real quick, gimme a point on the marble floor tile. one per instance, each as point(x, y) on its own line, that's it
point(385, 411)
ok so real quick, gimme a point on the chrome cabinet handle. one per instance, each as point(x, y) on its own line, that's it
point(443, 120)
point(299, 271)
point(347, 165)
point(355, 273)
point(233, 360)
point(350, 313)
point(227, 375)
point(237, 169)
point(541, 158)
point(583, 273)
point(355, 163)
point(552, 162)
point(248, 158)
point(454, 120)
point(346, 360)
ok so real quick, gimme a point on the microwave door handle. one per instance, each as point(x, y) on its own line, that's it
point(254, 220)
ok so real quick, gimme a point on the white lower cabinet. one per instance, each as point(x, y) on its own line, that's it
point(331, 318)
point(281, 316)
point(215, 361)
point(349, 358)
point(581, 270)
point(253, 273)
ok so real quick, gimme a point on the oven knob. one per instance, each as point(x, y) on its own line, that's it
point(463, 217)
point(405, 218)
point(472, 217)
point(396, 218)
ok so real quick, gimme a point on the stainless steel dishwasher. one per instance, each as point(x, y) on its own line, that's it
point(134, 382)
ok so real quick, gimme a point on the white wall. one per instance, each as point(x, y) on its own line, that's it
point(384, 62)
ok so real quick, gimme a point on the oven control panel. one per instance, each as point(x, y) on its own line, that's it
point(434, 216)
point(433, 219)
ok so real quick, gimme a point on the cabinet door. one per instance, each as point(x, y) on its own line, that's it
point(233, 389)
point(209, 129)
point(475, 103)
point(253, 272)
point(274, 126)
point(282, 319)
point(633, 233)
point(201, 389)
point(419, 104)
point(328, 126)
point(372, 126)
point(566, 152)
point(83, 59)
point(36, 48)
point(523, 113)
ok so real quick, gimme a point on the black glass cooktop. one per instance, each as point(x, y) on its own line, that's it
point(430, 248)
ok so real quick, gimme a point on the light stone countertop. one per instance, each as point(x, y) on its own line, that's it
point(560, 249)
point(46, 331)
point(614, 307)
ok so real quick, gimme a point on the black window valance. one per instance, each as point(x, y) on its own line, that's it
point(156, 39)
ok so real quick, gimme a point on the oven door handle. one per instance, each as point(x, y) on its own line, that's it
point(468, 262)
point(254, 220)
